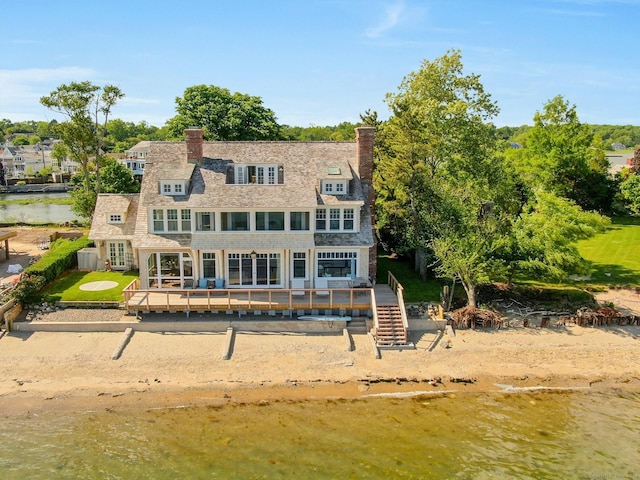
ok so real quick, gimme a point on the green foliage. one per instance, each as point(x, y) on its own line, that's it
point(61, 257)
point(116, 178)
point(630, 192)
point(86, 108)
point(84, 202)
point(563, 156)
point(344, 132)
point(542, 241)
point(21, 140)
point(223, 115)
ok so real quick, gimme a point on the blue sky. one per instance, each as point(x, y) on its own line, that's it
point(322, 62)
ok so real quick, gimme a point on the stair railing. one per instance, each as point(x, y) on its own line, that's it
point(374, 311)
point(398, 289)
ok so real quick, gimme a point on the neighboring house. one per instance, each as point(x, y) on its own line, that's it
point(13, 161)
point(618, 146)
point(244, 214)
point(17, 160)
point(136, 157)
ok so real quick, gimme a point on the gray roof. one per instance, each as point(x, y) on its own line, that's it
point(305, 165)
point(111, 203)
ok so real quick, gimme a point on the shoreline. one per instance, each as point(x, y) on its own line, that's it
point(260, 394)
point(47, 372)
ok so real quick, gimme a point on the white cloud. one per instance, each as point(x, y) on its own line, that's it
point(392, 17)
point(19, 88)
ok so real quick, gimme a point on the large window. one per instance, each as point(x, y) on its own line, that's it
point(337, 264)
point(269, 220)
point(169, 269)
point(235, 221)
point(299, 220)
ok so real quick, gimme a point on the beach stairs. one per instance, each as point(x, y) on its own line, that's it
point(391, 332)
point(357, 325)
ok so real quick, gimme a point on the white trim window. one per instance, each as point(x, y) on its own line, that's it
point(172, 188)
point(171, 220)
point(270, 221)
point(339, 220)
point(299, 265)
point(257, 174)
point(115, 218)
point(337, 264)
point(298, 221)
point(334, 187)
point(205, 221)
point(208, 265)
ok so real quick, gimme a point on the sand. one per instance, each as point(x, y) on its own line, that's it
point(46, 371)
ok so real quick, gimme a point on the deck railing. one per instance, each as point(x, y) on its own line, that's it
point(188, 300)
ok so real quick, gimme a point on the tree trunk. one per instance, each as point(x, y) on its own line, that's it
point(470, 288)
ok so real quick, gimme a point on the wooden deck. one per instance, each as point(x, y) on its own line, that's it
point(225, 300)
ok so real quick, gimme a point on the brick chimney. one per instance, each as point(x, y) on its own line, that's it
point(364, 150)
point(364, 144)
point(193, 138)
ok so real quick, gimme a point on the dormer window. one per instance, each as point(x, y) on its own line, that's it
point(257, 174)
point(334, 187)
point(115, 218)
point(173, 187)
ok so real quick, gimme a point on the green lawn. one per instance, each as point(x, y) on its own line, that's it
point(67, 288)
point(415, 289)
point(615, 254)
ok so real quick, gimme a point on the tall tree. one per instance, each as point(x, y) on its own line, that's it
point(563, 156)
point(435, 135)
point(223, 115)
point(86, 109)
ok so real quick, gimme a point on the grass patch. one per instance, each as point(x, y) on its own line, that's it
point(67, 287)
point(415, 289)
point(32, 200)
point(614, 254)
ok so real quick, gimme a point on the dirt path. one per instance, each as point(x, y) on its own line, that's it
point(24, 248)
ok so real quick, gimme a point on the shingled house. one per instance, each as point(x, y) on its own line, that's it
point(245, 215)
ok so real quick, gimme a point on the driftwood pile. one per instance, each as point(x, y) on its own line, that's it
point(472, 317)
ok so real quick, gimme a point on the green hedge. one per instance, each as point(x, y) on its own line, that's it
point(62, 256)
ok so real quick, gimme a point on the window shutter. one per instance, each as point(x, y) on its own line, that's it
point(280, 174)
point(231, 175)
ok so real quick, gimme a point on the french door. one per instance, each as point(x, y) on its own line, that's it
point(254, 270)
point(117, 254)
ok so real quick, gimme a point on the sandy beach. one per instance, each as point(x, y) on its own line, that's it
point(74, 371)
point(71, 371)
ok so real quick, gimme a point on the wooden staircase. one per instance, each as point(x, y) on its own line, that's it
point(391, 332)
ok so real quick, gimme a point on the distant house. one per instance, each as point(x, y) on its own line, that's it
point(136, 157)
point(244, 214)
point(618, 146)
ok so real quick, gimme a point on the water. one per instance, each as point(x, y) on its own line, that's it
point(525, 436)
point(35, 213)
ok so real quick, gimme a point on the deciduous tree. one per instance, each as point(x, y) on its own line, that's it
point(223, 115)
point(86, 108)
